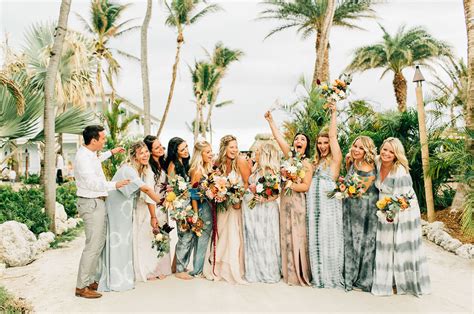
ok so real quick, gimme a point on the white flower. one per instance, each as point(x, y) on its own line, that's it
point(182, 185)
point(159, 237)
point(339, 195)
point(259, 188)
point(342, 94)
point(177, 203)
point(292, 169)
point(381, 215)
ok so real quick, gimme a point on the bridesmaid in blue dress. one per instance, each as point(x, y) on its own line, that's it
point(262, 223)
point(324, 214)
point(117, 272)
point(360, 218)
point(201, 166)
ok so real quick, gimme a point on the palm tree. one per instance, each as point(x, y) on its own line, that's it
point(144, 67)
point(395, 53)
point(204, 77)
point(221, 59)
point(49, 105)
point(15, 91)
point(105, 25)
point(180, 14)
point(317, 16)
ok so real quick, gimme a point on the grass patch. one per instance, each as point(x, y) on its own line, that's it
point(67, 236)
point(12, 304)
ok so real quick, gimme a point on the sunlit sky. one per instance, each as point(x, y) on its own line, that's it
point(270, 69)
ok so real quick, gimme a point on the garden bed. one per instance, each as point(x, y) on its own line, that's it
point(452, 223)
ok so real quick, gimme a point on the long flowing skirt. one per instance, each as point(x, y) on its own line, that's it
point(262, 242)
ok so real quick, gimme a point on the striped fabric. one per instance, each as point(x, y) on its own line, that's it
point(325, 239)
point(400, 261)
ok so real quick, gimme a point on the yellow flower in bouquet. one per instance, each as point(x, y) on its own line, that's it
point(170, 197)
point(301, 174)
point(352, 189)
point(381, 204)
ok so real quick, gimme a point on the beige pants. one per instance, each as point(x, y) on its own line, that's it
point(94, 215)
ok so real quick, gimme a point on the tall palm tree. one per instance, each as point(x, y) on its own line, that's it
point(395, 53)
point(144, 68)
point(469, 17)
point(222, 57)
point(49, 115)
point(180, 14)
point(314, 16)
point(106, 25)
point(205, 76)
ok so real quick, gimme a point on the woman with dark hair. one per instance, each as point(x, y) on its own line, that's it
point(293, 240)
point(146, 218)
point(177, 164)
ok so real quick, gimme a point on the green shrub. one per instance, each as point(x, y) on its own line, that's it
point(32, 179)
point(11, 304)
point(24, 206)
point(66, 195)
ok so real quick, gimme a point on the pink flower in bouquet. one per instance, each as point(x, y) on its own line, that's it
point(210, 194)
point(342, 187)
point(253, 188)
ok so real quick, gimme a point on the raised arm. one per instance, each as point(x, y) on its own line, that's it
point(334, 144)
point(304, 186)
point(285, 148)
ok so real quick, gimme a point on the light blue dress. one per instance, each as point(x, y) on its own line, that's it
point(261, 240)
point(325, 237)
point(117, 273)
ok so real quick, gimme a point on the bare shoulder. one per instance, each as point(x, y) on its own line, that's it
point(367, 167)
point(196, 175)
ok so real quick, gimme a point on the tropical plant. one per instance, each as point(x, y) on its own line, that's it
point(15, 91)
point(313, 16)
point(180, 14)
point(105, 24)
point(144, 68)
point(395, 53)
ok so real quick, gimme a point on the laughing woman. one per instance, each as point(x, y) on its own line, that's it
point(293, 239)
point(201, 166)
point(325, 239)
point(360, 218)
point(177, 164)
point(400, 263)
point(226, 260)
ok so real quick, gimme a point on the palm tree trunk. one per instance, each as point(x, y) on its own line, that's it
point(144, 67)
point(325, 72)
point(202, 126)
point(49, 116)
point(208, 119)
point(180, 41)
point(101, 85)
point(400, 88)
point(469, 16)
point(322, 48)
point(316, 75)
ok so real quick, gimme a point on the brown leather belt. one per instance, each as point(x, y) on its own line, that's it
point(93, 198)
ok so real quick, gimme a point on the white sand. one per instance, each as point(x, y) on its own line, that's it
point(50, 281)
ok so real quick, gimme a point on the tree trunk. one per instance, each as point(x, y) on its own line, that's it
point(144, 66)
point(208, 119)
point(321, 49)
point(180, 41)
point(469, 16)
point(325, 71)
point(316, 74)
point(101, 86)
point(202, 127)
point(400, 88)
point(49, 116)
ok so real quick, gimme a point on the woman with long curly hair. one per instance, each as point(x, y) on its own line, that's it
point(226, 260)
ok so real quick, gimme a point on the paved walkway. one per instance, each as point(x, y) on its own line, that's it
point(49, 284)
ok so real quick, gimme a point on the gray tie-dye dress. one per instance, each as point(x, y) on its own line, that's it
point(117, 273)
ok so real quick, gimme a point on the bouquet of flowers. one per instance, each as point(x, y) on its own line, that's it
point(292, 171)
point(351, 187)
point(390, 206)
point(176, 194)
point(187, 219)
point(235, 190)
point(214, 187)
point(161, 240)
point(266, 187)
point(336, 91)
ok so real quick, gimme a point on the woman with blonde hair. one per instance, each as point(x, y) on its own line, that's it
point(325, 237)
point(117, 271)
point(200, 168)
point(226, 260)
point(261, 223)
point(359, 217)
point(400, 263)
point(293, 238)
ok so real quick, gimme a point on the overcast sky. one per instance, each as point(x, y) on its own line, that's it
point(270, 69)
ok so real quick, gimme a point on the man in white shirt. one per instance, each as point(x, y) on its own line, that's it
point(92, 189)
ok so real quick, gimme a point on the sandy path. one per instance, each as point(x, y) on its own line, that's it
point(50, 281)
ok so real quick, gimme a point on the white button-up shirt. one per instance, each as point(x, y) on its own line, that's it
point(90, 178)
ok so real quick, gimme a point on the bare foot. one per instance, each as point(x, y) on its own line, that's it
point(161, 277)
point(152, 278)
point(184, 276)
